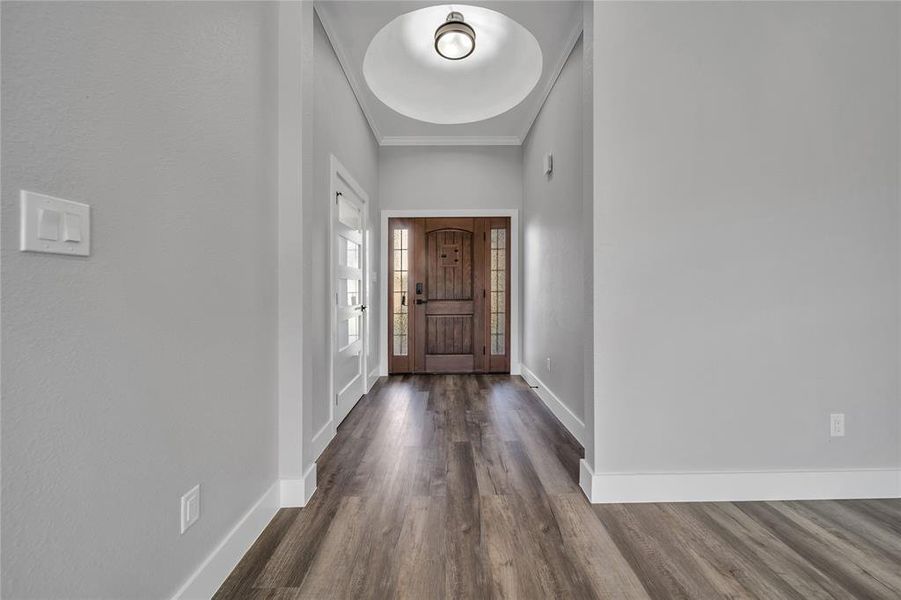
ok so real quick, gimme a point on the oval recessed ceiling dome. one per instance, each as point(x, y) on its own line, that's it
point(405, 72)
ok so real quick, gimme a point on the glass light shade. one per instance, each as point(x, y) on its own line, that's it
point(455, 39)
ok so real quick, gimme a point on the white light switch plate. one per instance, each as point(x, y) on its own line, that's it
point(190, 508)
point(44, 218)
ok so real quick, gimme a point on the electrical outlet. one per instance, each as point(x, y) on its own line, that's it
point(837, 425)
point(548, 364)
point(190, 508)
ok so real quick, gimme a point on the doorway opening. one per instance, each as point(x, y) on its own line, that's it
point(449, 282)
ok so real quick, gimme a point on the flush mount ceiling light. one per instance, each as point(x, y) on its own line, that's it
point(454, 39)
point(404, 70)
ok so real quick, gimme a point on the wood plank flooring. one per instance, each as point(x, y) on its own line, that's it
point(464, 486)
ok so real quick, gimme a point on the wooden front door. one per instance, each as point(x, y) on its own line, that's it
point(449, 295)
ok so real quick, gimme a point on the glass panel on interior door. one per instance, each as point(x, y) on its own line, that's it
point(348, 214)
point(348, 253)
point(351, 289)
point(348, 331)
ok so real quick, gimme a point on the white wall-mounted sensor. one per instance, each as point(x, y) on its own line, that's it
point(190, 508)
point(548, 163)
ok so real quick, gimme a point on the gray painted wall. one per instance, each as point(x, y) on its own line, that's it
point(898, 71)
point(131, 375)
point(746, 165)
point(340, 128)
point(450, 177)
point(553, 257)
point(588, 337)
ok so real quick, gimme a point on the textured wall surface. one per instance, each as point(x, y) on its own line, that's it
point(553, 252)
point(340, 129)
point(131, 375)
point(450, 177)
point(746, 178)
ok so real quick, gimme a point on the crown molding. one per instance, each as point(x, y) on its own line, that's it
point(451, 140)
point(348, 72)
point(552, 81)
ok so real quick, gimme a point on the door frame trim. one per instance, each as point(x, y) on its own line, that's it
point(512, 213)
point(336, 170)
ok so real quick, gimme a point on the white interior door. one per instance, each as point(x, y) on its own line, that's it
point(349, 262)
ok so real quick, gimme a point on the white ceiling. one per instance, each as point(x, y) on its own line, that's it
point(352, 25)
point(405, 72)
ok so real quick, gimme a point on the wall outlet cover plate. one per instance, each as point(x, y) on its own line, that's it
point(837, 425)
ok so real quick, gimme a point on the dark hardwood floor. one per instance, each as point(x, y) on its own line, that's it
point(460, 486)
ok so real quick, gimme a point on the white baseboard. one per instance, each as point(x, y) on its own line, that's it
point(321, 439)
point(847, 484)
point(573, 423)
point(284, 493)
point(204, 582)
point(297, 492)
point(586, 479)
point(373, 377)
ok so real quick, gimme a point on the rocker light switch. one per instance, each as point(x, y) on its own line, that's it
point(54, 225)
point(72, 228)
point(48, 224)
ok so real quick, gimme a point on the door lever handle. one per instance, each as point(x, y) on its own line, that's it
point(421, 301)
